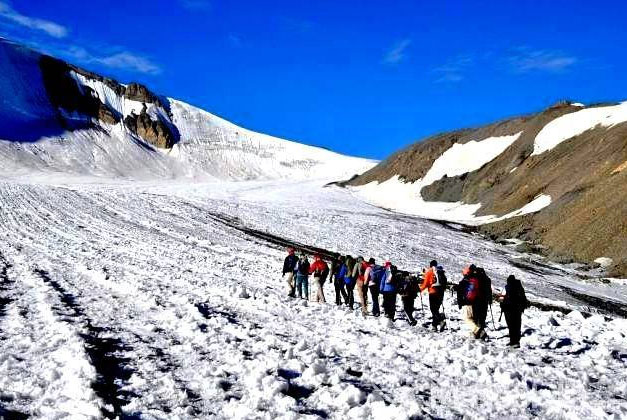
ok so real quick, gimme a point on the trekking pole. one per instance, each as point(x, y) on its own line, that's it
point(492, 314)
point(422, 310)
point(500, 315)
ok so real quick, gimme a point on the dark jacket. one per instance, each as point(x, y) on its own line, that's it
point(515, 299)
point(289, 265)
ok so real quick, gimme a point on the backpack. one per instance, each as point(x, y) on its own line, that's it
point(462, 292)
point(408, 286)
point(440, 277)
point(377, 275)
point(485, 286)
point(472, 291)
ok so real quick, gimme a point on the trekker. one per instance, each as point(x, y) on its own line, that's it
point(466, 294)
point(362, 285)
point(408, 289)
point(289, 266)
point(338, 281)
point(513, 303)
point(435, 282)
point(483, 299)
point(320, 271)
point(388, 289)
point(372, 274)
point(350, 280)
point(302, 277)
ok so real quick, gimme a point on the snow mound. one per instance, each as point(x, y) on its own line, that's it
point(573, 124)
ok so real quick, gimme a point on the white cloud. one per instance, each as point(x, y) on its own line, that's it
point(527, 60)
point(123, 60)
point(455, 69)
point(50, 28)
point(398, 52)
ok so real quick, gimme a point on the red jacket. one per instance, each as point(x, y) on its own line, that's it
point(319, 266)
point(428, 281)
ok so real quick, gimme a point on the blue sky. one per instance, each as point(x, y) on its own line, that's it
point(360, 77)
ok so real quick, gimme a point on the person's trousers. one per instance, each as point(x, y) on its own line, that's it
point(302, 286)
point(469, 319)
point(340, 292)
point(363, 296)
point(480, 311)
point(374, 293)
point(513, 319)
point(319, 283)
point(289, 279)
point(435, 301)
point(408, 308)
point(389, 304)
point(350, 294)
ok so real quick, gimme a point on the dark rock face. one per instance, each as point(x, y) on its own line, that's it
point(156, 132)
point(65, 93)
point(586, 177)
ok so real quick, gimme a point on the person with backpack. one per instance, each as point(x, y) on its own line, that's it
point(372, 276)
point(302, 277)
point(466, 295)
point(350, 279)
point(435, 282)
point(483, 300)
point(320, 271)
point(408, 289)
point(289, 266)
point(338, 281)
point(361, 284)
point(387, 287)
point(513, 303)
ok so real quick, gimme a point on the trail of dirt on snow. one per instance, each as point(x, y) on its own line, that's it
point(200, 326)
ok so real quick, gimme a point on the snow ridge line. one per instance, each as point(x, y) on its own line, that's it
point(113, 371)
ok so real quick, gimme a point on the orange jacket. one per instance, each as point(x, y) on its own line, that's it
point(428, 281)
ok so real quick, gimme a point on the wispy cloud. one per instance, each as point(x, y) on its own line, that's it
point(525, 60)
point(455, 69)
point(121, 60)
point(398, 52)
point(50, 28)
point(235, 40)
point(196, 5)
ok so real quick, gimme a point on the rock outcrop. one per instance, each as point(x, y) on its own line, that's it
point(72, 98)
point(156, 132)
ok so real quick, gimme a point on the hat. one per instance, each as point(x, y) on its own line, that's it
point(387, 264)
point(511, 278)
point(433, 263)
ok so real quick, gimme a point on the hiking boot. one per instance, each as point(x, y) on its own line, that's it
point(434, 328)
point(442, 326)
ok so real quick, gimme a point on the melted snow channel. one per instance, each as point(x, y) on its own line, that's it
point(573, 124)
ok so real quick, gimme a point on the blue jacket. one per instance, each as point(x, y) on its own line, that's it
point(387, 284)
point(343, 274)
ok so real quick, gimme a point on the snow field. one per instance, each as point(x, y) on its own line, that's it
point(203, 327)
point(575, 123)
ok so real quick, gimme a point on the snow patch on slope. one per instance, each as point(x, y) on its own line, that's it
point(573, 124)
point(405, 197)
point(462, 158)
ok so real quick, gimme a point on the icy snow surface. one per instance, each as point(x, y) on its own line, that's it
point(575, 123)
point(136, 298)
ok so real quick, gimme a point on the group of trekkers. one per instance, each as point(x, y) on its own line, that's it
point(356, 275)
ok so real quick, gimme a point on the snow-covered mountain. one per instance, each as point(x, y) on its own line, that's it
point(56, 117)
point(555, 179)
